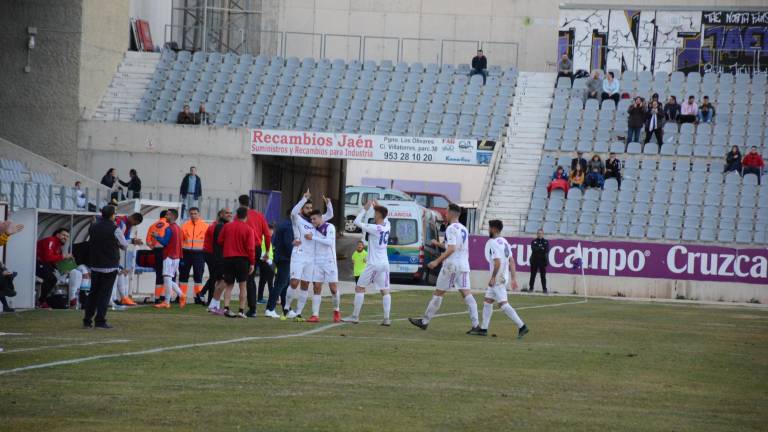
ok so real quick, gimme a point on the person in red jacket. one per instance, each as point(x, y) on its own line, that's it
point(753, 163)
point(49, 253)
point(239, 252)
point(171, 242)
point(258, 223)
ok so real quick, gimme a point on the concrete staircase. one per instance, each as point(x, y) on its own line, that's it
point(512, 186)
point(127, 87)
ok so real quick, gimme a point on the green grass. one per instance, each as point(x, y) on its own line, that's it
point(605, 365)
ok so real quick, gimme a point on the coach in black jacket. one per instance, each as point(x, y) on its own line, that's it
point(539, 260)
point(105, 242)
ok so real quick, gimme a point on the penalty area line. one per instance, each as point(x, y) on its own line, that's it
point(44, 347)
point(165, 349)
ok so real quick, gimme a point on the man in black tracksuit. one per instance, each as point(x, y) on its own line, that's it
point(539, 260)
point(105, 242)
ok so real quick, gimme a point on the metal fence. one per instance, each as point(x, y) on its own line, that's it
point(357, 47)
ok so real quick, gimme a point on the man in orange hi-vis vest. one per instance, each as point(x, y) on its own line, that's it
point(158, 228)
point(192, 239)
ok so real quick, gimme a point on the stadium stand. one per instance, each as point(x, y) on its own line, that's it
point(677, 192)
point(330, 95)
point(128, 85)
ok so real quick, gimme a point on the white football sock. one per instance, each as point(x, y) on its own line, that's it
point(432, 307)
point(122, 285)
point(290, 294)
point(302, 295)
point(512, 314)
point(472, 307)
point(336, 300)
point(215, 304)
point(358, 305)
point(316, 299)
point(386, 299)
point(75, 280)
point(487, 312)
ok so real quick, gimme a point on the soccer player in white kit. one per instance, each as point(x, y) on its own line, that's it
point(502, 265)
point(455, 272)
point(325, 268)
point(302, 261)
point(376, 273)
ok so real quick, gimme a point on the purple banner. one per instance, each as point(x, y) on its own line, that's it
point(647, 260)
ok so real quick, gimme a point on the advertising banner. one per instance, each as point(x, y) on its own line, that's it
point(635, 259)
point(371, 147)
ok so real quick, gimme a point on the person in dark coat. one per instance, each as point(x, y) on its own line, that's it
point(282, 242)
point(539, 260)
point(479, 65)
point(580, 161)
point(635, 120)
point(733, 160)
point(191, 190)
point(105, 242)
point(133, 185)
point(654, 123)
point(613, 168)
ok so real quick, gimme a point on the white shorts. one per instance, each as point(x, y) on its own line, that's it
point(170, 267)
point(374, 276)
point(302, 270)
point(450, 278)
point(326, 273)
point(497, 292)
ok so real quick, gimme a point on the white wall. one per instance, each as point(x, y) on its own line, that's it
point(531, 23)
point(157, 12)
point(162, 155)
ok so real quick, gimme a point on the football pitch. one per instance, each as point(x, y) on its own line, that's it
point(600, 365)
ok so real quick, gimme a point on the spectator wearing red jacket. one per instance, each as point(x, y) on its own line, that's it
point(258, 223)
point(753, 163)
point(559, 181)
point(239, 252)
point(49, 253)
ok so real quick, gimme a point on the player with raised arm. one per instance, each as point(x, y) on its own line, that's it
point(302, 261)
point(376, 273)
point(499, 257)
point(454, 273)
point(326, 269)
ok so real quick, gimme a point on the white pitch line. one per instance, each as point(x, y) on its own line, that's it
point(12, 334)
point(39, 348)
point(164, 349)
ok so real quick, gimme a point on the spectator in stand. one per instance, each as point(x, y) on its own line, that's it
point(577, 178)
point(7, 229)
point(654, 123)
point(611, 88)
point(185, 116)
point(654, 97)
point(594, 179)
point(753, 163)
point(80, 199)
point(594, 85)
point(706, 111)
point(49, 254)
point(596, 162)
point(559, 181)
point(688, 111)
point(191, 190)
point(565, 68)
point(733, 160)
point(579, 161)
point(613, 168)
point(110, 180)
point(479, 65)
point(671, 109)
point(202, 116)
point(133, 185)
point(635, 120)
